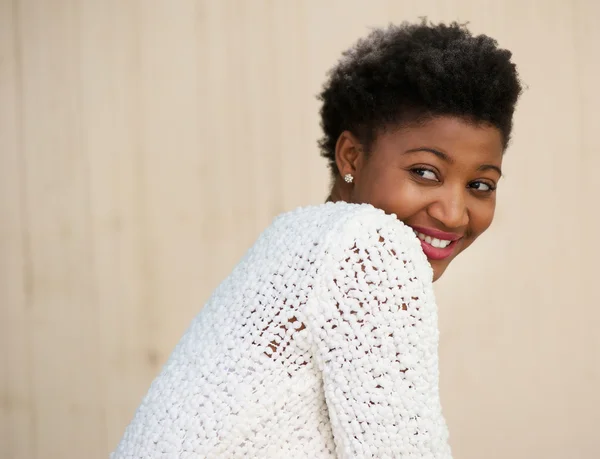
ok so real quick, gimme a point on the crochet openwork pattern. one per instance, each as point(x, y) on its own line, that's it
point(322, 343)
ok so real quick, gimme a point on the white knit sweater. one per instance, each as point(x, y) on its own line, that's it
point(322, 343)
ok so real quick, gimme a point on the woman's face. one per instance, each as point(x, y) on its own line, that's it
point(439, 178)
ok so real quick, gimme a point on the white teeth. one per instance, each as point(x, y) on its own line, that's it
point(434, 242)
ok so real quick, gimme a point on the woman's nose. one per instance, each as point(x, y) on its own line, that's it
point(450, 208)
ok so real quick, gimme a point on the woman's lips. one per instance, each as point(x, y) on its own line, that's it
point(436, 253)
point(436, 244)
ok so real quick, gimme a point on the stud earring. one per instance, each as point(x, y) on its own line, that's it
point(348, 178)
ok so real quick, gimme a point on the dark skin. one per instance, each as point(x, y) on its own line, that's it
point(440, 175)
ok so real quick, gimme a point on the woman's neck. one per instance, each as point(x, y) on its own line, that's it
point(334, 195)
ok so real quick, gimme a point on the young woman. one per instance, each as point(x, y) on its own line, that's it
point(322, 342)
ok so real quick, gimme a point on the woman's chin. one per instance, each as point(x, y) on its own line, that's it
point(439, 268)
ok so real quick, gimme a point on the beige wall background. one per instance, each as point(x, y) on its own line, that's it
point(145, 144)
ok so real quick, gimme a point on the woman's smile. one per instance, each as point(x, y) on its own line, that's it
point(437, 244)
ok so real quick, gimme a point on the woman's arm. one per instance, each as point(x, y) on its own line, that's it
point(374, 322)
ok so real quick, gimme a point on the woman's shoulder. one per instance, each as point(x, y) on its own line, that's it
point(339, 226)
point(344, 220)
point(339, 219)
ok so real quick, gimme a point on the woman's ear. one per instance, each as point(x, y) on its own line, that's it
point(348, 154)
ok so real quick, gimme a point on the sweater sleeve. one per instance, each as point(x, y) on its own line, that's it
point(374, 326)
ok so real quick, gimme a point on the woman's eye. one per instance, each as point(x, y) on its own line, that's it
point(425, 173)
point(482, 186)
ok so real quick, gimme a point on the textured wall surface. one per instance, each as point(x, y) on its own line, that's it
point(145, 144)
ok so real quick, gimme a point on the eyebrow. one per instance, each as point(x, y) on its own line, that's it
point(444, 157)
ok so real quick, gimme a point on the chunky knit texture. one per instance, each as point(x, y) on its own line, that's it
point(322, 343)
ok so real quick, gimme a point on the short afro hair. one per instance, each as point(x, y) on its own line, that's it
point(409, 73)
